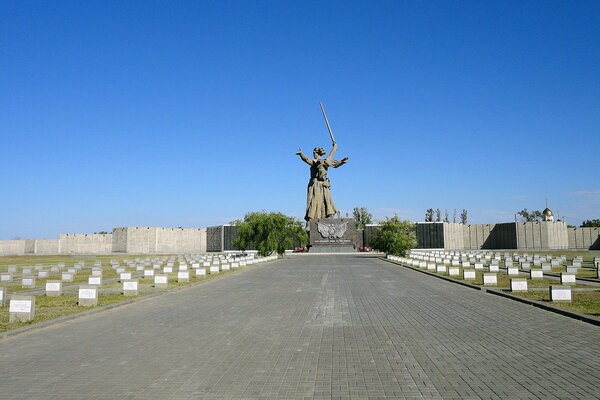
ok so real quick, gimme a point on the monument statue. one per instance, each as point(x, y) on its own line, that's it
point(319, 203)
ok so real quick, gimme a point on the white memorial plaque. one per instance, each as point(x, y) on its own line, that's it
point(96, 273)
point(5, 277)
point(125, 275)
point(160, 279)
point(494, 268)
point(148, 273)
point(94, 280)
point(167, 270)
point(567, 278)
point(490, 279)
point(513, 271)
point(560, 293)
point(130, 285)
point(53, 286)
point(20, 306)
point(469, 274)
point(441, 269)
point(183, 275)
point(87, 293)
point(454, 271)
point(536, 274)
point(27, 281)
point(518, 285)
point(42, 274)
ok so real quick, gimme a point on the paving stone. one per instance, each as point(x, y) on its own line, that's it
point(311, 327)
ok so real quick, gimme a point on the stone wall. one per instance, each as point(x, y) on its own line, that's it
point(521, 235)
point(148, 240)
point(542, 235)
point(46, 247)
point(12, 247)
point(584, 238)
point(430, 235)
point(84, 243)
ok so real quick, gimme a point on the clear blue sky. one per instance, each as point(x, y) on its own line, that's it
point(189, 113)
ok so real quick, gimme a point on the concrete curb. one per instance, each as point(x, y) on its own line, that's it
point(45, 324)
point(535, 303)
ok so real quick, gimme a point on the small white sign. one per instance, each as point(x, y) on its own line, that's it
point(27, 281)
point(94, 280)
point(469, 274)
point(148, 272)
point(160, 279)
point(20, 306)
point(183, 275)
point(167, 270)
point(560, 294)
point(1, 294)
point(567, 278)
point(53, 286)
point(132, 285)
point(518, 285)
point(87, 293)
point(490, 279)
point(125, 275)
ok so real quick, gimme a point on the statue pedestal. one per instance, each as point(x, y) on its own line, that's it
point(333, 235)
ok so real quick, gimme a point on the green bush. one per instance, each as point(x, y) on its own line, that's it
point(269, 232)
point(395, 236)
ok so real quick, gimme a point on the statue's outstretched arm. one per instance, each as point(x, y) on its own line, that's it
point(339, 163)
point(304, 157)
point(332, 152)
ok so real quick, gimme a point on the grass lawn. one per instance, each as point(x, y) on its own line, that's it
point(47, 308)
point(587, 302)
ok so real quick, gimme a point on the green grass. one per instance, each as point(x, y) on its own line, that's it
point(48, 308)
point(587, 302)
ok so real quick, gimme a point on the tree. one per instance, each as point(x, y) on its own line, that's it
point(269, 232)
point(362, 217)
point(395, 236)
point(438, 215)
point(429, 215)
point(454, 216)
point(463, 217)
point(591, 223)
point(531, 216)
point(446, 219)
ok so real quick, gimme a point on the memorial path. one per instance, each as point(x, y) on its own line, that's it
point(310, 327)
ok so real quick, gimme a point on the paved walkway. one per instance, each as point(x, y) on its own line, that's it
point(310, 327)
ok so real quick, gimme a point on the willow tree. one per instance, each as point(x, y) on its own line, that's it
point(269, 232)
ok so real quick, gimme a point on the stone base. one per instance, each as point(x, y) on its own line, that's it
point(332, 249)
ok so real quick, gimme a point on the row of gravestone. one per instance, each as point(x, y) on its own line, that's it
point(467, 273)
point(22, 307)
point(546, 262)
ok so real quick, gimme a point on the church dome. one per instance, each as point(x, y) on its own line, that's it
point(547, 212)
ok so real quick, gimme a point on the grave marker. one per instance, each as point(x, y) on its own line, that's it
point(28, 282)
point(560, 293)
point(567, 278)
point(161, 281)
point(130, 287)
point(53, 288)
point(21, 308)
point(183, 276)
point(518, 285)
point(88, 295)
point(490, 279)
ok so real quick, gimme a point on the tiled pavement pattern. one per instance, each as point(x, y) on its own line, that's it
point(312, 327)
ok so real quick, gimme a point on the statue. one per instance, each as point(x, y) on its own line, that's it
point(319, 203)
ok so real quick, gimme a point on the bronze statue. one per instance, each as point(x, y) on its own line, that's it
point(319, 203)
